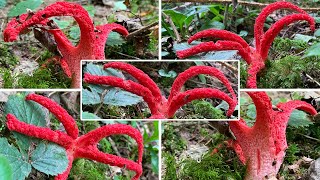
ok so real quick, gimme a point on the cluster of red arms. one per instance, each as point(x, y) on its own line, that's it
point(261, 147)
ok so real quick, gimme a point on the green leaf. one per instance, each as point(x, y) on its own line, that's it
point(252, 113)
point(118, 5)
point(243, 33)
point(28, 112)
point(154, 161)
point(3, 3)
point(119, 97)
point(115, 39)
point(317, 33)
point(201, 76)
point(90, 97)
point(299, 119)
point(98, 70)
point(5, 169)
point(74, 32)
point(49, 158)
point(314, 50)
point(170, 74)
point(88, 115)
point(22, 7)
point(90, 9)
point(61, 23)
point(19, 163)
point(302, 37)
point(154, 136)
point(177, 18)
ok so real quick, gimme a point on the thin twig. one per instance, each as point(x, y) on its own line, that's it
point(308, 76)
point(309, 137)
point(101, 101)
point(126, 55)
point(233, 69)
point(169, 20)
point(139, 31)
point(246, 3)
point(114, 147)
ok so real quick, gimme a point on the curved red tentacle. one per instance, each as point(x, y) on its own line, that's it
point(199, 93)
point(265, 12)
point(221, 34)
point(102, 34)
point(283, 117)
point(196, 70)
point(218, 46)
point(91, 139)
point(62, 115)
point(139, 75)
point(38, 132)
point(57, 9)
point(263, 108)
point(127, 85)
point(275, 29)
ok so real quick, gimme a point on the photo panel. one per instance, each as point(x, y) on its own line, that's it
point(276, 138)
point(276, 42)
point(160, 89)
point(42, 137)
point(43, 42)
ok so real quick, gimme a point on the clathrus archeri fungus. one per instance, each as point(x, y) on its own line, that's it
point(256, 56)
point(92, 38)
point(84, 146)
point(262, 147)
point(159, 105)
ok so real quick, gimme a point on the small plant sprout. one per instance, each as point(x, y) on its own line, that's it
point(160, 106)
point(262, 147)
point(92, 39)
point(84, 146)
point(256, 56)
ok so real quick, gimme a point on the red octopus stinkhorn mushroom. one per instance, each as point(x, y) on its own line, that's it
point(84, 146)
point(92, 39)
point(256, 56)
point(159, 106)
point(262, 147)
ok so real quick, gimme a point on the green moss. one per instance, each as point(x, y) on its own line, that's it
point(171, 139)
point(85, 169)
point(286, 72)
point(285, 46)
point(291, 152)
point(43, 78)
point(211, 167)
point(7, 58)
point(206, 110)
point(171, 167)
point(7, 78)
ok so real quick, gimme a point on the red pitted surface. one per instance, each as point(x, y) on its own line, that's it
point(262, 147)
point(265, 12)
point(84, 146)
point(139, 75)
point(183, 98)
